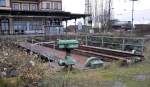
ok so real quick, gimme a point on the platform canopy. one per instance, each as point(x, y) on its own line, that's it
point(59, 14)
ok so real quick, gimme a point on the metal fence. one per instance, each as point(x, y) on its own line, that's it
point(117, 43)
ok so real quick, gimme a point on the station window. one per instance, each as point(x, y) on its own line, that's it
point(47, 5)
point(59, 5)
point(33, 7)
point(25, 6)
point(35, 25)
point(55, 5)
point(18, 25)
point(2, 2)
point(52, 5)
point(16, 6)
point(4, 25)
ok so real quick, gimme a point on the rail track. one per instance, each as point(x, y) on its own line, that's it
point(104, 54)
point(107, 54)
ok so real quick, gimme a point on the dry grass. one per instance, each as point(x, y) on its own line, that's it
point(13, 58)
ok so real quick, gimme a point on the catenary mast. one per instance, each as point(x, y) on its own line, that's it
point(101, 11)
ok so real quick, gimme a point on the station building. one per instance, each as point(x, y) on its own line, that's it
point(33, 16)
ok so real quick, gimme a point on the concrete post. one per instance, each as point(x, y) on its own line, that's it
point(143, 42)
point(123, 44)
point(86, 40)
point(102, 41)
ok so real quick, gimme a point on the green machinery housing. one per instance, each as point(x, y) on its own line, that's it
point(67, 45)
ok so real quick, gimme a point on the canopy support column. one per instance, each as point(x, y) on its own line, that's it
point(11, 31)
point(75, 25)
point(85, 25)
point(66, 29)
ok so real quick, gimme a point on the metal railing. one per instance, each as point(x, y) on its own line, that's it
point(117, 43)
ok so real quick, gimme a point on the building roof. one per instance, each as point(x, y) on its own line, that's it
point(62, 14)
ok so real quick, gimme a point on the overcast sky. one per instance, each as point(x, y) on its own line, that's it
point(75, 6)
point(122, 9)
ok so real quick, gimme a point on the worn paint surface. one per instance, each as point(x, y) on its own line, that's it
point(49, 51)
